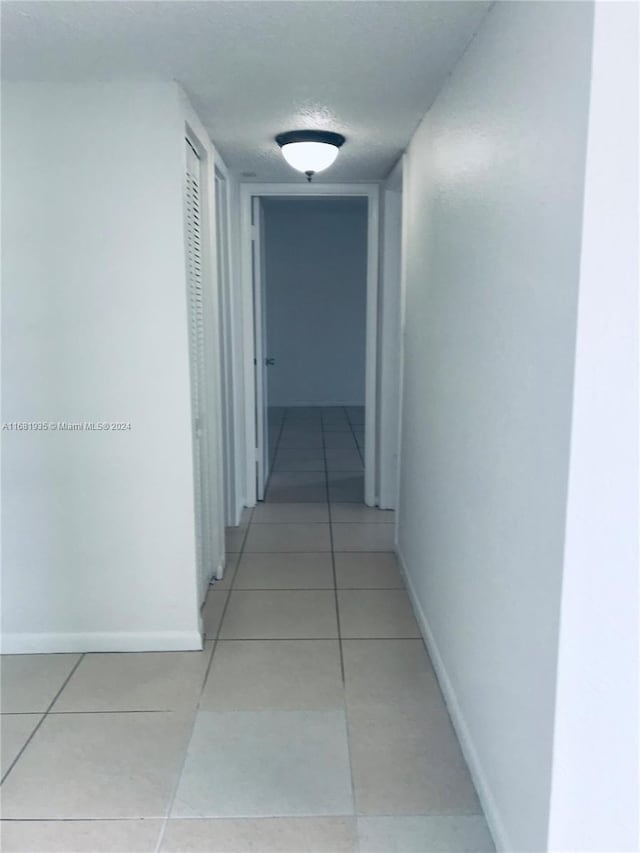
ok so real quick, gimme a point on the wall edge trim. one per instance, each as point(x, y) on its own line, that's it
point(483, 789)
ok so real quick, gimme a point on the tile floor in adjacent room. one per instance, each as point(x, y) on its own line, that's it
point(311, 722)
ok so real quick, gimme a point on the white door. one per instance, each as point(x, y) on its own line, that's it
point(260, 347)
point(202, 452)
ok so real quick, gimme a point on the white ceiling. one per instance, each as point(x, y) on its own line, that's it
point(369, 70)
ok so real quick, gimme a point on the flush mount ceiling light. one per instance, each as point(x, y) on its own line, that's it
point(310, 151)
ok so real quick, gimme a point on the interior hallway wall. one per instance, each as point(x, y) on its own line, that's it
point(98, 527)
point(316, 275)
point(595, 798)
point(494, 186)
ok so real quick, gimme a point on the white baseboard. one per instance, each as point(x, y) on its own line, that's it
point(487, 800)
point(161, 641)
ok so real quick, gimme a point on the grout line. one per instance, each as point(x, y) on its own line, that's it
point(119, 710)
point(276, 450)
point(262, 523)
point(346, 706)
point(317, 588)
point(298, 554)
point(354, 815)
point(333, 557)
point(353, 433)
point(51, 704)
point(22, 713)
point(307, 639)
point(297, 470)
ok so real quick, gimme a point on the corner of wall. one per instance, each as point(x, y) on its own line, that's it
point(483, 789)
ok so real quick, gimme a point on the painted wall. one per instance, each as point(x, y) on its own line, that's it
point(494, 186)
point(98, 527)
point(595, 798)
point(315, 262)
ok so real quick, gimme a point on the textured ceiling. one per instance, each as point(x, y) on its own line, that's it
point(369, 70)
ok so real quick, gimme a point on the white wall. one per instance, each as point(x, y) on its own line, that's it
point(495, 180)
point(316, 274)
point(98, 528)
point(595, 797)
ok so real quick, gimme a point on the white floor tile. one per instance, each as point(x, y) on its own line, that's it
point(234, 537)
point(382, 613)
point(370, 570)
point(213, 610)
point(277, 674)
point(359, 513)
point(346, 487)
point(300, 440)
point(266, 764)
point(266, 835)
point(269, 615)
point(282, 513)
point(285, 571)
point(288, 459)
point(297, 487)
point(98, 766)
point(335, 426)
point(343, 460)
point(15, 730)
point(288, 537)
point(145, 681)
point(389, 671)
point(80, 836)
point(406, 760)
point(363, 537)
point(435, 834)
point(29, 683)
point(340, 441)
point(291, 429)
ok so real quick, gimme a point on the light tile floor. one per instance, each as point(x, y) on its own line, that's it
point(312, 721)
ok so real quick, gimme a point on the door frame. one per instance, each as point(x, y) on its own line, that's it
point(215, 552)
point(231, 415)
point(261, 404)
point(372, 193)
point(390, 363)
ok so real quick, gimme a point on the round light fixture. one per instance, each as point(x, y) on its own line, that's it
point(310, 151)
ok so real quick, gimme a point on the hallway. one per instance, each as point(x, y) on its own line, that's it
point(149, 320)
point(312, 720)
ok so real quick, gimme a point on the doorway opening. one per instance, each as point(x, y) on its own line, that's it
point(310, 264)
point(314, 302)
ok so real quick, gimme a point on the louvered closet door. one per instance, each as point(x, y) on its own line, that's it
point(201, 455)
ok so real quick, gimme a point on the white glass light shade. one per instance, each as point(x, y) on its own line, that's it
point(309, 156)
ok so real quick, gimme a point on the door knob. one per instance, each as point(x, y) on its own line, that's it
point(269, 361)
